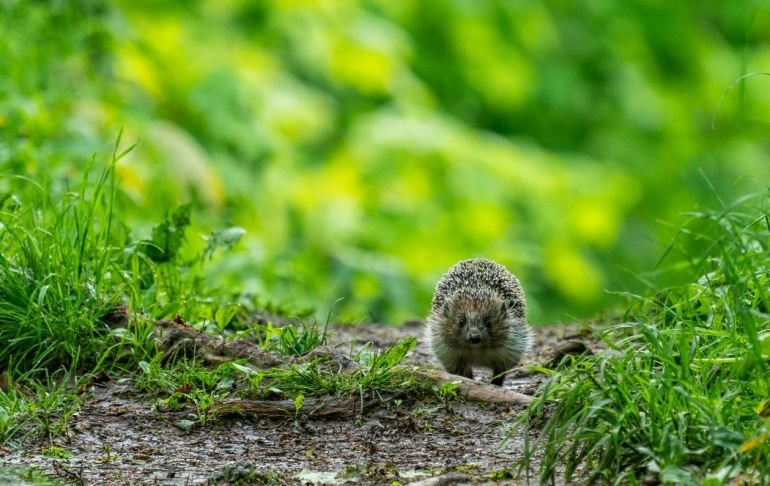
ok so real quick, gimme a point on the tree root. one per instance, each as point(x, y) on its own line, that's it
point(475, 391)
point(175, 338)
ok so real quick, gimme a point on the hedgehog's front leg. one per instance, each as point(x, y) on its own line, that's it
point(498, 376)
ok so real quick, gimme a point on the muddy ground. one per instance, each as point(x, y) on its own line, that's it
point(118, 438)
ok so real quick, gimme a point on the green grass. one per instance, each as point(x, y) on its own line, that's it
point(36, 407)
point(377, 373)
point(69, 266)
point(59, 273)
point(681, 393)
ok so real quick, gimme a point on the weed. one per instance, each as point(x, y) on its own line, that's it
point(109, 454)
point(447, 391)
point(299, 401)
point(289, 339)
point(169, 275)
point(293, 340)
point(31, 475)
point(11, 414)
point(56, 453)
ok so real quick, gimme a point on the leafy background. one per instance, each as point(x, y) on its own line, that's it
point(367, 146)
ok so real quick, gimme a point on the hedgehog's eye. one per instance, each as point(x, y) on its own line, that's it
point(461, 322)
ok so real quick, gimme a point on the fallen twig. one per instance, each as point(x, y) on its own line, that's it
point(177, 338)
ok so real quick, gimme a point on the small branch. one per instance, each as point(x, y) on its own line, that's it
point(476, 391)
point(177, 338)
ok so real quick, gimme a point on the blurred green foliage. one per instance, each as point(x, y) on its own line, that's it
point(366, 146)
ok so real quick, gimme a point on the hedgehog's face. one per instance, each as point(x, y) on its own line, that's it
point(477, 320)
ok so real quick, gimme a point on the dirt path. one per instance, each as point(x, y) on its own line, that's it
point(117, 439)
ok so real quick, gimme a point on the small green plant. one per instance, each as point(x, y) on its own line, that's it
point(293, 340)
point(290, 339)
point(165, 274)
point(154, 377)
point(299, 401)
point(51, 408)
point(188, 383)
point(447, 391)
point(12, 417)
point(55, 452)
point(378, 372)
point(31, 475)
point(203, 401)
point(109, 455)
point(38, 409)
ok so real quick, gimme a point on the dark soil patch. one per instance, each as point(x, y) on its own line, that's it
point(118, 438)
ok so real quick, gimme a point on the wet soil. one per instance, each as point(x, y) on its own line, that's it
point(119, 438)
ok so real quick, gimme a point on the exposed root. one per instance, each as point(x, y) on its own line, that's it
point(175, 338)
point(476, 391)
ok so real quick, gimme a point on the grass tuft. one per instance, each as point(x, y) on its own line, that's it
point(59, 274)
point(36, 407)
point(679, 393)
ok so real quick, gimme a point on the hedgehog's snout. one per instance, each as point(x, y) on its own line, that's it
point(475, 333)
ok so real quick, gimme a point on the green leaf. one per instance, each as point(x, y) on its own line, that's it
point(168, 237)
point(727, 438)
point(764, 344)
point(145, 366)
point(181, 216)
point(225, 314)
point(185, 424)
point(678, 475)
point(763, 409)
point(244, 369)
point(393, 355)
point(225, 383)
point(299, 401)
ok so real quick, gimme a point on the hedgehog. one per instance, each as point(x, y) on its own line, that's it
point(478, 318)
